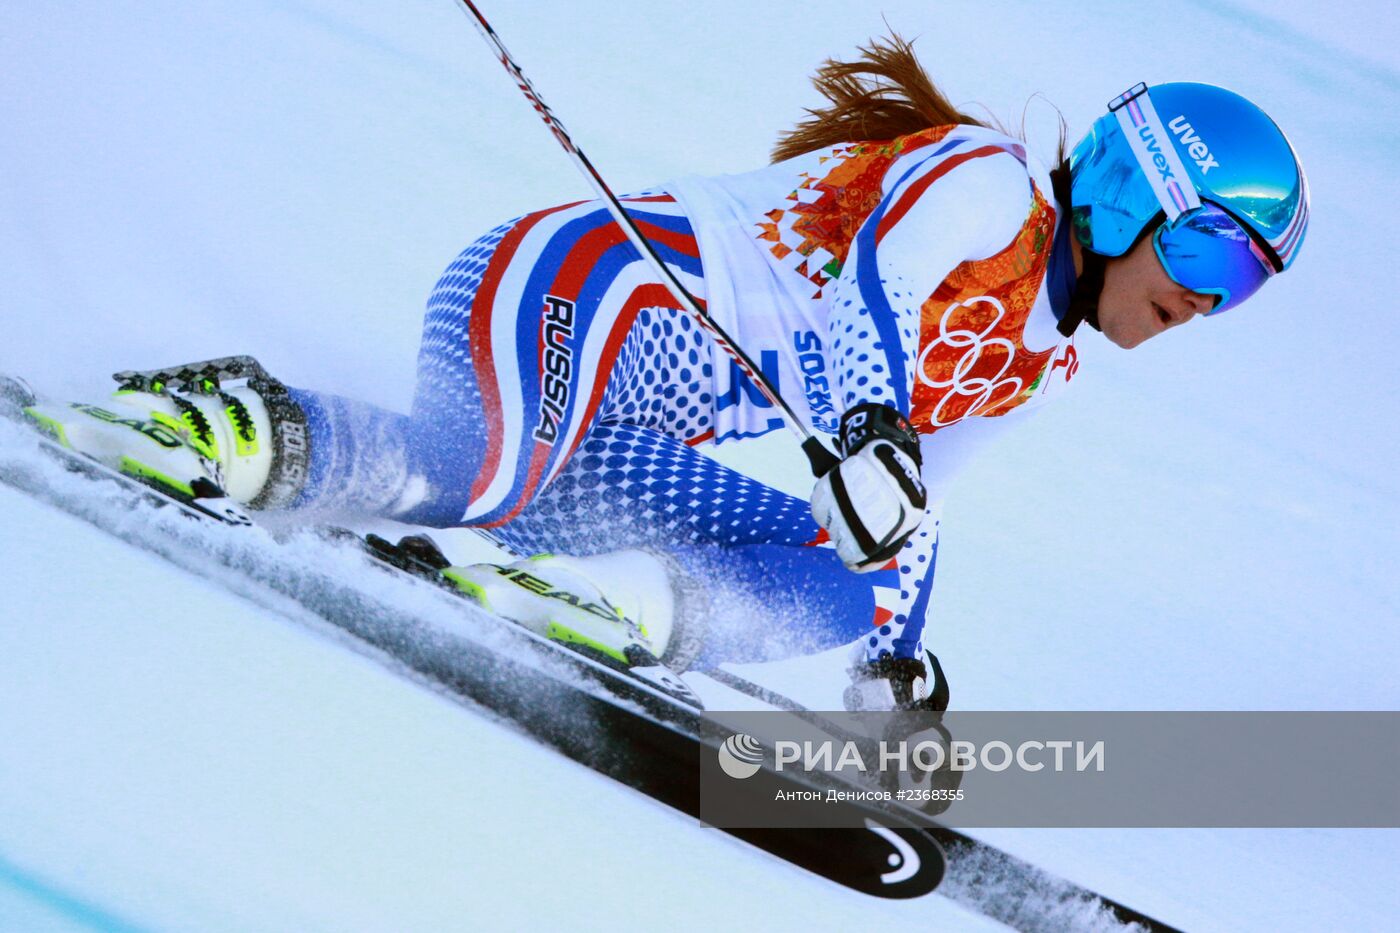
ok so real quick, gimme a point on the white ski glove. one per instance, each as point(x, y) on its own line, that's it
point(873, 500)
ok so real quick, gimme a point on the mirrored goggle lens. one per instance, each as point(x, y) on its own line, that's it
point(1209, 252)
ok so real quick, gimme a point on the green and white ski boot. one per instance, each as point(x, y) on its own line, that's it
point(202, 430)
point(620, 608)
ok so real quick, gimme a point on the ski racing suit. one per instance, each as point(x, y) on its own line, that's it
point(564, 402)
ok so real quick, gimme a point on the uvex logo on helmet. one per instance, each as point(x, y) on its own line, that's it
point(1149, 140)
point(1198, 149)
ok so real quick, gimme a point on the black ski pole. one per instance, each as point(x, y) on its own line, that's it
point(821, 459)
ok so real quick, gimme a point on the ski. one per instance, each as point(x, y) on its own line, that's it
point(645, 730)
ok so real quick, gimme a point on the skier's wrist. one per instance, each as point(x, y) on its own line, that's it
point(874, 499)
point(888, 683)
point(869, 421)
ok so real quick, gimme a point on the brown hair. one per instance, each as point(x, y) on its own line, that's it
point(883, 94)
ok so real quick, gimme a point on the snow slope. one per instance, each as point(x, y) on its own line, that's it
point(205, 765)
point(1207, 522)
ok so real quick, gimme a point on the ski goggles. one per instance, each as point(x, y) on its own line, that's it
point(1210, 252)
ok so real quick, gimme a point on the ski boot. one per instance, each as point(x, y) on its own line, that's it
point(203, 430)
point(632, 628)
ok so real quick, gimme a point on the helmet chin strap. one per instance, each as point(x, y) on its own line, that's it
point(1084, 303)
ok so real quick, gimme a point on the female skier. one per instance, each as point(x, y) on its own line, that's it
point(909, 278)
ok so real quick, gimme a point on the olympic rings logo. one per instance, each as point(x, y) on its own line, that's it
point(973, 392)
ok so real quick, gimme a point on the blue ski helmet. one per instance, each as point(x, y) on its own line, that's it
point(1206, 173)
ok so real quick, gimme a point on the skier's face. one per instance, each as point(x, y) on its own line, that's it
point(1139, 300)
